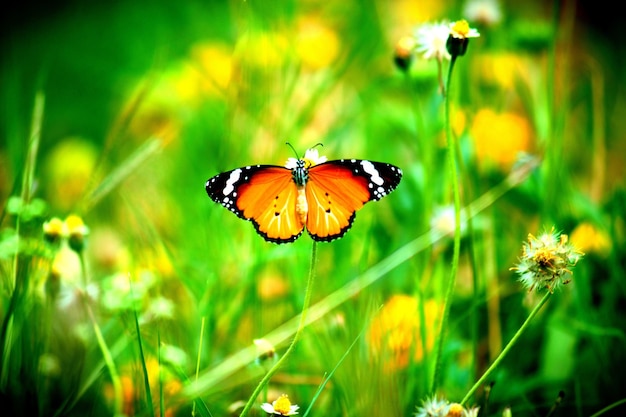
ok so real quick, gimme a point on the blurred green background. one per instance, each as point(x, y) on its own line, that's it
point(139, 103)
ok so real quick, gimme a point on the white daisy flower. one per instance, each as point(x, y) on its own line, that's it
point(431, 40)
point(281, 407)
point(311, 158)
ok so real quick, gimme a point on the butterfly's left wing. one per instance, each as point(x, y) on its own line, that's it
point(337, 189)
point(264, 194)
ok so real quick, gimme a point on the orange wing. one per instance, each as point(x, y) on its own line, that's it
point(264, 194)
point(333, 194)
point(337, 189)
point(268, 199)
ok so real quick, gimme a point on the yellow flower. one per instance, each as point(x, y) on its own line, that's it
point(54, 230)
point(73, 229)
point(68, 169)
point(461, 30)
point(498, 138)
point(214, 61)
point(404, 52)
point(457, 410)
point(76, 226)
point(272, 286)
point(588, 238)
point(499, 69)
point(395, 332)
point(77, 232)
point(317, 45)
point(282, 407)
point(460, 34)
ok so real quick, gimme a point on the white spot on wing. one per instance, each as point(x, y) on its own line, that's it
point(374, 175)
point(231, 181)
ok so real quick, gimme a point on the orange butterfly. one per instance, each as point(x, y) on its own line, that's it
point(321, 195)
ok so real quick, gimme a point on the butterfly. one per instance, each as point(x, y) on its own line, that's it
point(309, 192)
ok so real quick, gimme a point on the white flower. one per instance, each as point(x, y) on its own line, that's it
point(311, 158)
point(282, 407)
point(433, 407)
point(487, 12)
point(461, 30)
point(431, 40)
point(160, 308)
point(444, 220)
point(471, 412)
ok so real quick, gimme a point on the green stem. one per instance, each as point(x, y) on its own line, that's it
point(106, 353)
point(457, 230)
point(108, 360)
point(296, 336)
point(507, 348)
point(193, 409)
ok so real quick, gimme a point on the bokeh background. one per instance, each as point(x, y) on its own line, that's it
point(134, 105)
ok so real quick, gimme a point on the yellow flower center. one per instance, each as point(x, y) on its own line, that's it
point(544, 257)
point(54, 227)
point(282, 405)
point(455, 410)
point(461, 27)
point(74, 224)
point(308, 163)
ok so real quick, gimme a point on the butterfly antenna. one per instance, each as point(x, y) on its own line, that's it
point(293, 149)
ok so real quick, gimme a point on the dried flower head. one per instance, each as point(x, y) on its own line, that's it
point(546, 261)
point(433, 407)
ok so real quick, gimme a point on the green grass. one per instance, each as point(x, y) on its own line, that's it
point(120, 114)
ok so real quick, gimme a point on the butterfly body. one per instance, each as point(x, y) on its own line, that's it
point(323, 198)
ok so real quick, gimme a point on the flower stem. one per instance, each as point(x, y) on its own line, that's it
point(457, 229)
point(118, 395)
point(507, 348)
point(108, 360)
point(296, 336)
